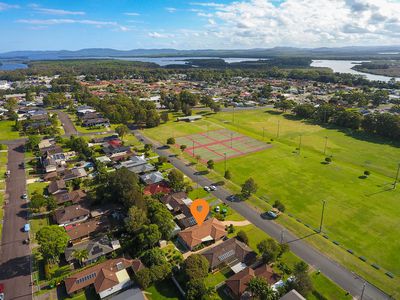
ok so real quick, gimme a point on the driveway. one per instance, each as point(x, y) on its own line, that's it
point(66, 122)
point(333, 270)
point(15, 263)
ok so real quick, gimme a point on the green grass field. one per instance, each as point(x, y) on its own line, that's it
point(361, 214)
point(7, 131)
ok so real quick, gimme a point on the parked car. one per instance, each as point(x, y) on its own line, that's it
point(22, 165)
point(232, 198)
point(207, 188)
point(27, 227)
point(217, 209)
point(24, 196)
point(1, 291)
point(213, 187)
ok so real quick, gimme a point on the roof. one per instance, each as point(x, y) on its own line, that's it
point(56, 186)
point(238, 282)
point(74, 197)
point(152, 178)
point(74, 173)
point(195, 235)
point(137, 265)
point(229, 251)
point(84, 229)
point(103, 276)
point(96, 248)
point(156, 188)
point(68, 213)
point(131, 294)
point(292, 295)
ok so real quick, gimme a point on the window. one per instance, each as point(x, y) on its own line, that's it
point(226, 255)
point(85, 278)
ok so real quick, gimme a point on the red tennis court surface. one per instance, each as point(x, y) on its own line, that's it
point(215, 144)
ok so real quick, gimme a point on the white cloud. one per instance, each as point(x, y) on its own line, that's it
point(207, 4)
point(171, 9)
point(6, 6)
point(263, 23)
point(59, 12)
point(132, 14)
point(157, 35)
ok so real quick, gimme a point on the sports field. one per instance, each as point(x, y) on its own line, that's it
point(215, 145)
point(362, 214)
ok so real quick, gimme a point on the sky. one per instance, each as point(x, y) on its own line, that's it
point(197, 24)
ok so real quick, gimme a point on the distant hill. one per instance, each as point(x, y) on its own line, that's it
point(343, 52)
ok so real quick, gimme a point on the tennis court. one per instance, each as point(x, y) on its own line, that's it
point(218, 143)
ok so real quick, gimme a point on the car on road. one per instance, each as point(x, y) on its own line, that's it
point(232, 198)
point(24, 196)
point(213, 187)
point(207, 188)
point(27, 227)
point(22, 165)
point(271, 214)
point(8, 173)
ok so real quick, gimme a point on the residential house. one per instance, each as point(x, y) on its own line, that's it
point(292, 295)
point(96, 122)
point(157, 188)
point(95, 248)
point(152, 178)
point(73, 197)
point(179, 205)
point(137, 165)
point(231, 252)
point(74, 173)
point(84, 109)
point(71, 215)
point(117, 152)
point(107, 278)
point(57, 187)
point(237, 284)
point(209, 232)
point(83, 231)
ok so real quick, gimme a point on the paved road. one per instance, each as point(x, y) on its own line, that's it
point(15, 257)
point(343, 277)
point(69, 127)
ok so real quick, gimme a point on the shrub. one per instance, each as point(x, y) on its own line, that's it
point(242, 236)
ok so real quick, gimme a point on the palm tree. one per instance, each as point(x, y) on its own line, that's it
point(80, 255)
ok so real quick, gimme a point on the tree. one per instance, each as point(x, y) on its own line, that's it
point(183, 148)
point(328, 160)
point(122, 130)
point(162, 160)
point(170, 141)
point(147, 147)
point(197, 290)
point(52, 241)
point(80, 255)
point(198, 157)
point(279, 205)
point(160, 215)
point(269, 250)
point(11, 105)
point(153, 257)
point(149, 235)
point(260, 289)
point(196, 267)
point(176, 180)
point(249, 187)
point(135, 220)
point(144, 278)
point(152, 118)
point(32, 143)
point(210, 164)
point(165, 116)
point(228, 175)
point(367, 173)
point(302, 280)
point(304, 111)
point(37, 202)
point(242, 236)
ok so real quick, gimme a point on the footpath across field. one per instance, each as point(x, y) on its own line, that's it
point(217, 144)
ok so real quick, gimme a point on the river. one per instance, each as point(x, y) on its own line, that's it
point(9, 66)
point(345, 66)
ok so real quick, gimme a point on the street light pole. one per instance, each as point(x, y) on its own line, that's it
point(326, 144)
point(322, 215)
point(225, 161)
point(233, 114)
point(279, 125)
point(397, 177)
point(193, 148)
point(282, 235)
point(363, 289)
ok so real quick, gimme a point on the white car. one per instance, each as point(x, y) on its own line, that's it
point(213, 187)
point(207, 189)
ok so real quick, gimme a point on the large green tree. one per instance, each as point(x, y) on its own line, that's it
point(176, 180)
point(269, 250)
point(196, 266)
point(135, 220)
point(260, 289)
point(52, 241)
point(160, 215)
point(249, 187)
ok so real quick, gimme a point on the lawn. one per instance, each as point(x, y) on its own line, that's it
point(361, 213)
point(38, 187)
point(7, 131)
point(326, 289)
point(36, 224)
point(163, 290)
point(217, 278)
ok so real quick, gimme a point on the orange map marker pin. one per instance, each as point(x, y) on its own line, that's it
point(199, 210)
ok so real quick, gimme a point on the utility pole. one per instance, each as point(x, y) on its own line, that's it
point(277, 133)
point(225, 161)
point(363, 289)
point(397, 177)
point(326, 144)
point(322, 215)
point(282, 235)
point(233, 114)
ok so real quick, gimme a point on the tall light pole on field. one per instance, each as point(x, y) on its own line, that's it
point(363, 289)
point(300, 145)
point(225, 161)
point(279, 125)
point(322, 215)
point(233, 114)
point(397, 177)
point(326, 144)
point(193, 148)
